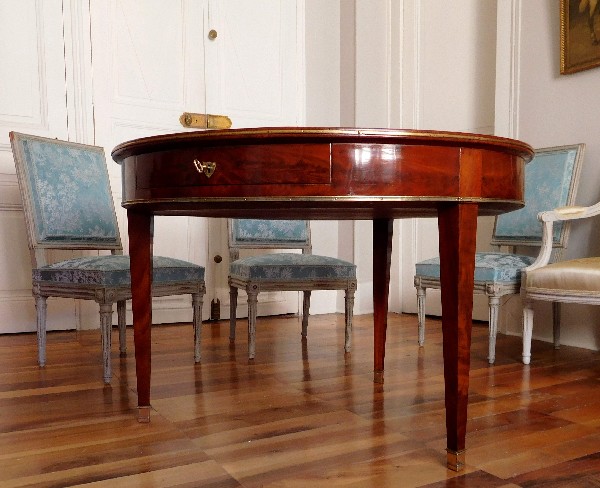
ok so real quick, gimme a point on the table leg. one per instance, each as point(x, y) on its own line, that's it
point(140, 250)
point(383, 230)
point(457, 229)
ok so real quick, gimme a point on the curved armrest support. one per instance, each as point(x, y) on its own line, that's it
point(547, 219)
point(543, 257)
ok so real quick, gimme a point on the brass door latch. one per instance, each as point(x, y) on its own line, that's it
point(204, 121)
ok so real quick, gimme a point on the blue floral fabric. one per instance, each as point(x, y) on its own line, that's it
point(113, 270)
point(266, 232)
point(489, 267)
point(70, 192)
point(547, 182)
point(290, 266)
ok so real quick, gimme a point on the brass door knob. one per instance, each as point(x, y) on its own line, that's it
point(212, 34)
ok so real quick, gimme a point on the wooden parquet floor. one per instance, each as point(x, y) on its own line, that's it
point(303, 415)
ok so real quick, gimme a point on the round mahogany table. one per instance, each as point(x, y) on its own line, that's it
point(331, 173)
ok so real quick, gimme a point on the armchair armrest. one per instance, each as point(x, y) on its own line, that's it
point(547, 219)
point(567, 213)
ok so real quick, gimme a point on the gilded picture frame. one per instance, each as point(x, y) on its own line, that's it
point(579, 35)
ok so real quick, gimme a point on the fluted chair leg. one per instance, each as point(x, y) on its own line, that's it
point(121, 320)
point(41, 308)
point(106, 330)
point(252, 309)
point(305, 312)
point(197, 302)
point(233, 295)
point(421, 295)
point(527, 330)
point(349, 316)
point(494, 309)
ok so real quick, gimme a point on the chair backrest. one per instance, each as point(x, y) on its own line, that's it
point(268, 234)
point(66, 194)
point(551, 180)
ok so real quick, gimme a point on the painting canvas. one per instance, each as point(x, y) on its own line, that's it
point(579, 35)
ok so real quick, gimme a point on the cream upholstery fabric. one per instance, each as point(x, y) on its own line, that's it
point(580, 275)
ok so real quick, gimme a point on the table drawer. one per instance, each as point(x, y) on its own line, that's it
point(235, 165)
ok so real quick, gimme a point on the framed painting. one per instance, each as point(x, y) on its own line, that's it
point(579, 35)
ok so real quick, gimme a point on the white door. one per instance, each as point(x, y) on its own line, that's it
point(152, 63)
point(148, 65)
point(254, 73)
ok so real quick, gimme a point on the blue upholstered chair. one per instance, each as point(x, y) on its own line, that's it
point(551, 180)
point(283, 271)
point(68, 204)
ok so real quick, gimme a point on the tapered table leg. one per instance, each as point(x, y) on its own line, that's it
point(383, 230)
point(457, 228)
point(140, 242)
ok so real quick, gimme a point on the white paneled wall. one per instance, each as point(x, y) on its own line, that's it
point(33, 100)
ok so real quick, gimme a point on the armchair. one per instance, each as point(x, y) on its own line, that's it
point(68, 205)
point(570, 281)
point(551, 180)
point(283, 271)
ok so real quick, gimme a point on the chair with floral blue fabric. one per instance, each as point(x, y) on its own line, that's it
point(68, 205)
point(283, 271)
point(551, 181)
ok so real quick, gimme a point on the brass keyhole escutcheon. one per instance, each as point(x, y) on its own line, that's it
point(205, 167)
point(212, 34)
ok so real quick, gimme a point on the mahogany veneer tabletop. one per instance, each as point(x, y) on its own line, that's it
point(331, 173)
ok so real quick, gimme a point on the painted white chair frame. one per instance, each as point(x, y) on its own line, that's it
point(552, 291)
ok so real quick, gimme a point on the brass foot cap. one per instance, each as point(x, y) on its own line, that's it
point(455, 460)
point(144, 415)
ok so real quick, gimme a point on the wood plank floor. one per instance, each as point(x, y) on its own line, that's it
point(303, 415)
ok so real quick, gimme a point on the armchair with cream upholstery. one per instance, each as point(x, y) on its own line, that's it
point(570, 281)
point(68, 205)
point(283, 271)
point(551, 181)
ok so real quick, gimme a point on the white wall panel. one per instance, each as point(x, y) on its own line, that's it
point(254, 68)
point(32, 70)
point(32, 100)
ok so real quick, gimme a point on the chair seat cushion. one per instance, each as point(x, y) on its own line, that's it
point(113, 270)
point(290, 266)
point(489, 267)
point(577, 275)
